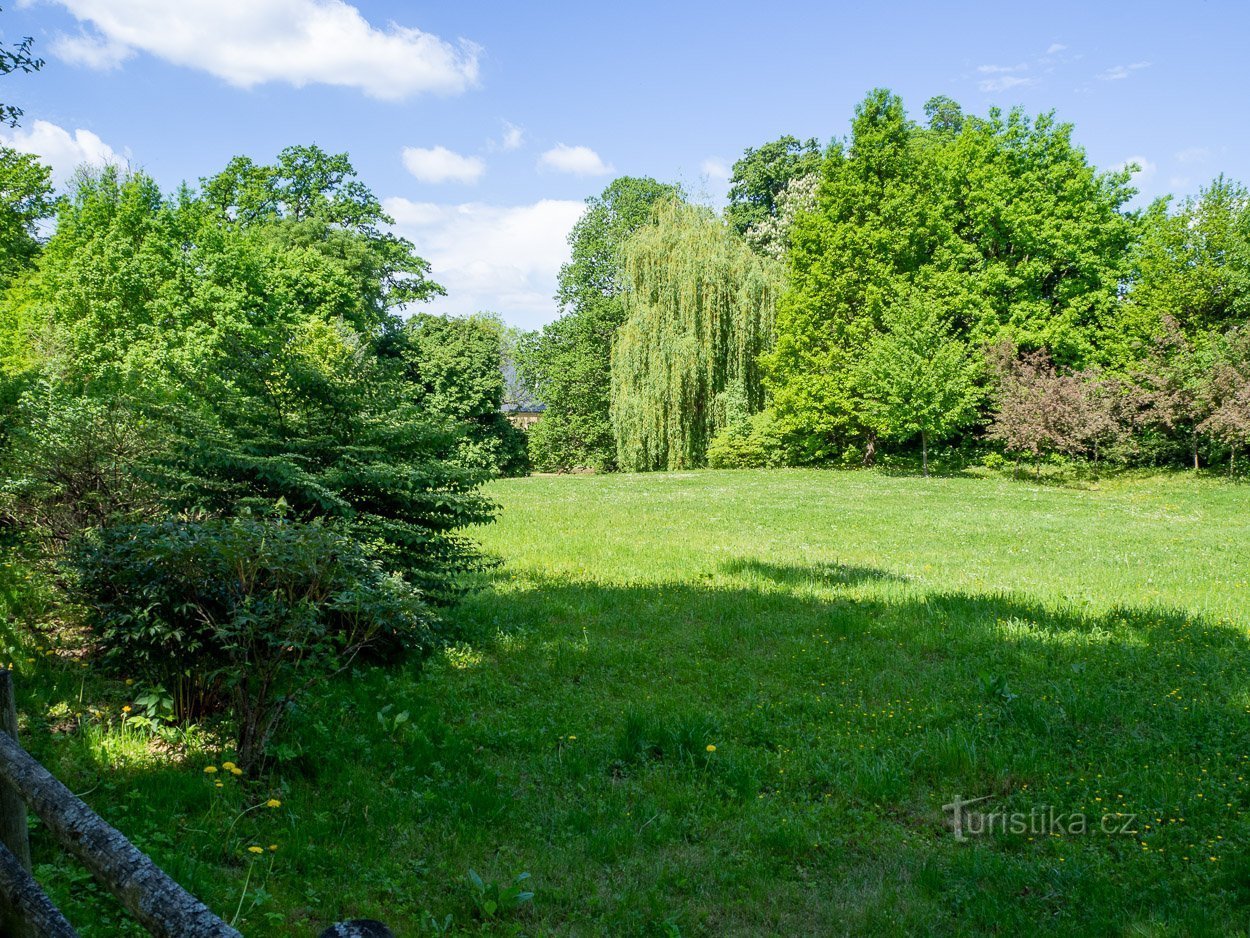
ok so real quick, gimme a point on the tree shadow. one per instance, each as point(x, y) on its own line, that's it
point(569, 736)
point(830, 574)
point(880, 710)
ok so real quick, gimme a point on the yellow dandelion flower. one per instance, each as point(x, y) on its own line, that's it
point(711, 748)
point(218, 785)
point(126, 709)
point(236, 771)
point(273, 848)
point(273, 803)
point(255, 850)
point(210, 769)
point(228, 766)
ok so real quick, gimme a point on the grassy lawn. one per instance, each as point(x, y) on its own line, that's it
point(859, 650)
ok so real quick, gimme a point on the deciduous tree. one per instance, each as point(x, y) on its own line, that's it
point(917, 379)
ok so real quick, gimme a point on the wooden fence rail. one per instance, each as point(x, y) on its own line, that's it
point(163, 907)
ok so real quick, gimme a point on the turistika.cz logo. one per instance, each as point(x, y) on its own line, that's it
point(1041, 820)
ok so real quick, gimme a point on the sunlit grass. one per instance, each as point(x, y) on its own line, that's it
point(856, 649)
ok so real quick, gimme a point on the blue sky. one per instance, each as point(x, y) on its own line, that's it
point(483, 125)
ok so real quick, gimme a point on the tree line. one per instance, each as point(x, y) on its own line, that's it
point(964, 281)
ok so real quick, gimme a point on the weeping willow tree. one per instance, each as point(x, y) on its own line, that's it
point(699, 311)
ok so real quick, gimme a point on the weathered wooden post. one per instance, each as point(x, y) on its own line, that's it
point(163, 907)
point(29, 912)
point(14, 833)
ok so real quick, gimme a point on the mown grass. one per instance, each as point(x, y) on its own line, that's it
point(859, 649)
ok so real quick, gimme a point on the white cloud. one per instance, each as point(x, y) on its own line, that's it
point(250, 42)
point(1145, 168)
point(580, 161)
point(716, 169)
point(1005, 83)
point(1055, 48)
point(1193, 155)
point(513, 136)
point(1000, 69)
point(1121, 72)
point(492, 257)
point(95, 52)
point(439, 164)
point(60, 149)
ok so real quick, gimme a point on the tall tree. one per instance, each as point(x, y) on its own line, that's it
point(1001, 220)
point(869, 234)
point(699, 312)
point(1193, 264)
point(569, 362)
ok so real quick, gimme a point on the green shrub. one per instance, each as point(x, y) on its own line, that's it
point(752, 443)
point(243, 613)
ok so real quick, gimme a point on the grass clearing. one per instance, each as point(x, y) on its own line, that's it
point(734, 703)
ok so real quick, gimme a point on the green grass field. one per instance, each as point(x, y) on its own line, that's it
point(734, 703)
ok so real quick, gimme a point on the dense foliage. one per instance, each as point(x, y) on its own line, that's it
point(972, 279)
point(568, 364)
point(999, 222)
point(458, 366)
point(249, 610)
point(762, 175)
point(199, 358)
point(699, 308)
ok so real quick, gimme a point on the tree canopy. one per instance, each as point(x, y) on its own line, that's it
point(698, 313)
point(568, 364)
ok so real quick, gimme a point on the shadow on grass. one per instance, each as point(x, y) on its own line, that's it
point(571, 737)
point(855, 718)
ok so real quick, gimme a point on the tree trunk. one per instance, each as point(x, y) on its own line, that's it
point(1195, 450)
point(924, 452)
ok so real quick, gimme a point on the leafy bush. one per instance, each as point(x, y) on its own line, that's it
point(753, 443)
point(245, 612)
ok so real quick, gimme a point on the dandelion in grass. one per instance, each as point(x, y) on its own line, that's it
point(273, 848)
point(711, 748)
point(255, 849)
point(210, 769)
point(273, 803)
point(229, 766)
